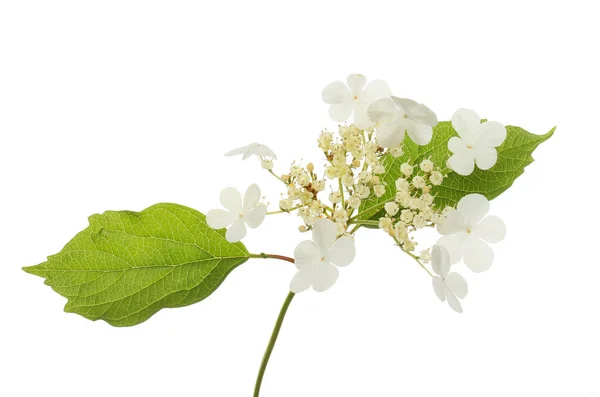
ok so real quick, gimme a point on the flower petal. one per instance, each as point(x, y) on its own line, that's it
point(456, 144)
point(485, 157)
point(231, 199)
point(325, 276)
point(440, 260)
point(236, 232)
point(454, 222)
point(462, 161)
point(492, 229)
point(405, 105)
point(251, 197)
point(356, 83)
point(240, 150)
point(453, 301)
point(419, 133)
point(302, 279)
point(218, 219)
point(457, 284)
point(361, 118)
point(391, 134)
point(439, 288)
point(473, 207)
point(466, 123)
point(382, 110)
point(306, 253)
point(341, 112)
point(256, 216)
point(455, 244)
point(491, 133)
point(324, 234)
point(377, 89)
point(335, 93)
point(478, 255)
point(341, 252)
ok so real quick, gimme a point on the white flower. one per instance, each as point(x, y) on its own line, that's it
point(316, 260)
point(477, 142)
point(465, 232)
point(250, 213)
point(446, 285)
point(354, 98)
point(256, 149)
point(397, 115)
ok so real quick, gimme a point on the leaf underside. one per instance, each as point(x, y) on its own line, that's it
point(513, 156)
point(125, 266)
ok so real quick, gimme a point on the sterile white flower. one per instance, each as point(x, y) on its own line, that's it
point(256, 149)
point(465, 232)
point(316, 260)
point(447, 286)
point(238, 214)
point(397, 115)
point(354, 97)
point(477, 143)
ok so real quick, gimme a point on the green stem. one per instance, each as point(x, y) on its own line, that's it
point(416, 258)
point(371, 223)
point(262, 255)
point(271, 345)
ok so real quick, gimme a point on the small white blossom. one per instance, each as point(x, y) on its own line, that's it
point(354, 201)
point(348, 180)
point(406, 169)
point(426, 165)
point(402, 185)
point(446, 285)
point(418, 182)
point(436, 178)
point(341, 215)
point(477, 143)
point(256, 149)
point(399, 115)
point(363, 191)
point(425, 256)
point(267, 164)
point(419, 221)
point(379, 190)
point(238, 214)
point(385, 224)
point(406, 216)
point(354, 98)
point(316, 260)
point(397, 151)
point(391, 208)
point(465, 232)
point(335, 197)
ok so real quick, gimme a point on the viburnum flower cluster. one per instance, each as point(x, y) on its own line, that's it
point(351, 188)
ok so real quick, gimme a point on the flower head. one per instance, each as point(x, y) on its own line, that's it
point(477, 143)
point(354, 98)
point(466, 232)
point(256, 149)
point(397, 115)
point(446, 285)
point(316, 260)
point(238, 214)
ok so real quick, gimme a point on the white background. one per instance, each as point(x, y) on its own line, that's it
point(122, 104)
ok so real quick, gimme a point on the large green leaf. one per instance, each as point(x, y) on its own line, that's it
point(513, 156)
point(128, 265)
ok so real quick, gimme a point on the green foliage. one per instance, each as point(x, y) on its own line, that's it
point(513, 156)
point(128, 265)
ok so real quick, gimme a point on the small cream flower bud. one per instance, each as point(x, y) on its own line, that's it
point(302, 228)
point(355, 163)
point(379, 190)
point(267, 164)
point(391, 208)
point(406, 169)
point(310, 167)
point(426, 165)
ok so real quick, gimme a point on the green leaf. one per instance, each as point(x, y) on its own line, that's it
point(128, 265)
point(513, 156)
